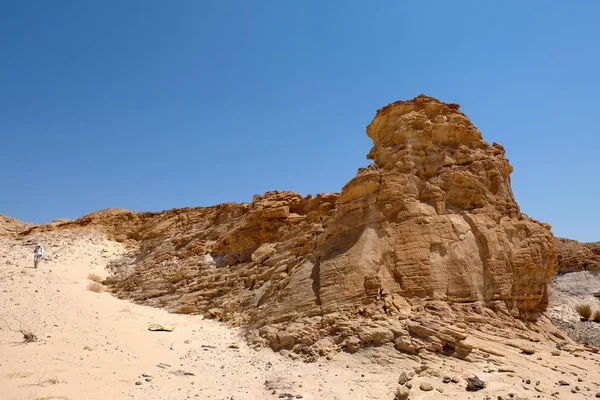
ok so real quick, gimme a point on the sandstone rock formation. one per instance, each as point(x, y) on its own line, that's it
point(10, 225)
point(421, 244)
point(575, 256)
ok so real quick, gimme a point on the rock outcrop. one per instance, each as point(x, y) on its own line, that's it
point(421, 244)
point(575, 256)
point(10, 225)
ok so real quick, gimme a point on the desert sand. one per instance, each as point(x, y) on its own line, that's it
point(94, 346)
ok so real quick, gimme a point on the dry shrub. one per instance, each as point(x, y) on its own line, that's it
point(584, 310)
point(96, 287)
point(19, 374)
point(95, 278)
point(28, 337)
point(596, 316)
point(52, 398)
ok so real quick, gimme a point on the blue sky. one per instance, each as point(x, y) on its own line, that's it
point(151, 105)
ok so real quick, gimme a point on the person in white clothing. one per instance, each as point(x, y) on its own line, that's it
point(38, 252)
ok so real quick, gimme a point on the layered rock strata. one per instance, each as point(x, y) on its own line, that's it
point(574, 256)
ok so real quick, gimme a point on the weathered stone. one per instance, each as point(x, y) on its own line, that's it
point(474, 384)
point(406, 346)
point(402, 394)
point(352, 344)
point(575, 256)
point(404, 377)
point(263, 252)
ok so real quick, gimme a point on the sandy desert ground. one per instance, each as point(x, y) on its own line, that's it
point(94, 346)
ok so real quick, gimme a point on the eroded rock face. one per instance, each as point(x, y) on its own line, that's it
point(420, 245)
point(10, 225)
point(575, 256)
point(433, 217)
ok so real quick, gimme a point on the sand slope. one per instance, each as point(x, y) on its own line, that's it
point(94, 346)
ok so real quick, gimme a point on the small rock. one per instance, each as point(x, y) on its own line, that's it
point(563, 383)
point(408, 385)
point(146, 375)
point(455, 379)
point(234, 346)
point(440, 390)
point(352, 345)
point(172, 346)
point(138, 383)
point(555, 353)
point(403, 378)
point(426, 387)
point(506, 370)
point(420, 368)
point(401, 394)
point(474, 384)
point(148, 379)
point(447, 379)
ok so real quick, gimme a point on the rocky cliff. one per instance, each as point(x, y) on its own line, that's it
point(421, 243)
point(575, 256)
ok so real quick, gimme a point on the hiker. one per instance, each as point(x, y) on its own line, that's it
point(38, 252)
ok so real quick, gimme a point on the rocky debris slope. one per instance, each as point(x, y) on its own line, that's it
point(10, 225)
point(419, 248)
point(569, 290)
point(575, 256)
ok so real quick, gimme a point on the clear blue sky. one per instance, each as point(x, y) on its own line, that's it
point(150, 105)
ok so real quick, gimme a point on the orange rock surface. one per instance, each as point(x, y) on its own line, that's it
point(575, 256)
